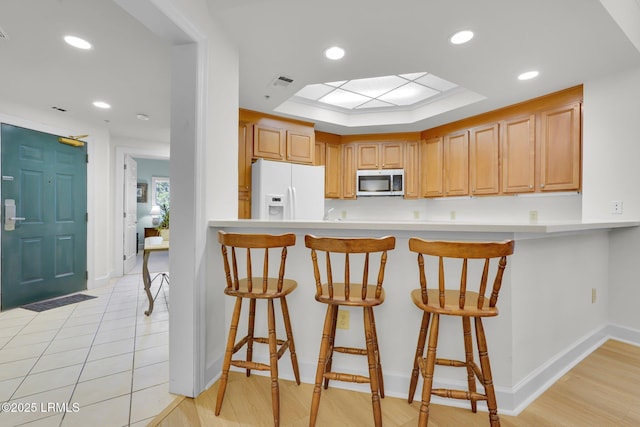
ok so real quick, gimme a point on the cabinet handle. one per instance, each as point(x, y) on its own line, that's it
point(541, 185)
point(530, 186)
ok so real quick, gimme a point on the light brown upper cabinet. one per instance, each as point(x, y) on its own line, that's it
point(333, 171)
point(319, 159)
point(456, 164)
point(560, 148)
point(348, 171)
point(380, 155)
point(412, 170)
point(518, 154)
point(268, 142)
point(275, 138)
point(300, 146)
point(431, 167)
point(484, 160)
point(244, 170)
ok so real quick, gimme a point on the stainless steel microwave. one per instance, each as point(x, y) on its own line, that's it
point(382, 182)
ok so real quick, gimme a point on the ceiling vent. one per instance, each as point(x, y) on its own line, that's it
point(282, 81)
point(3, 35)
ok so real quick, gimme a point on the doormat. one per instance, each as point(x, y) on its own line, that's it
point(58, 302)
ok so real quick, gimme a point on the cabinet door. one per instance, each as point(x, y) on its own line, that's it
point(484, 152)
point(245, 142)
point(412, 171)
point(367, 156)
point(456, 164)
point(268, 142)
point(518, 155)
point(300, 147)
point(349, 171)
point(431, 167)
point(391, 155)
point(332, 171)
point(319, 159)
point(560, 148)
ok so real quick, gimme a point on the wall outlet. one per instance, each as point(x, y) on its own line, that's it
point(416, 214)
point(533, 217)
point(343, 214)
point(593, 295)
point(452, 215)
point(343, 319)
point(616, 207)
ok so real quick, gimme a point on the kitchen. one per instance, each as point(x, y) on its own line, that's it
point(204, 166)
point(608, 103)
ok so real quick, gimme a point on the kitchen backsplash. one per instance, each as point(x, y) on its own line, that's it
point(551, 207)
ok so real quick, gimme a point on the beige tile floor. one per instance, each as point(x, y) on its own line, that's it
point(102, 358)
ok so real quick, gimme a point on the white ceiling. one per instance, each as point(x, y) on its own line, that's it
point(569, 42)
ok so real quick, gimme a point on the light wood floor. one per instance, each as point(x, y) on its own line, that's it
point(603, 390)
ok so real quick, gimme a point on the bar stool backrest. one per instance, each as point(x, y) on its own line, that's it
point(348, 246)
point(248, 242)
point(463, 251)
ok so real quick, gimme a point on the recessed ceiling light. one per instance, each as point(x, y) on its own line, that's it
point(528, 75)
point(461, 37)
point(77, 42)
point(143, 117)
point(334, 53)
point(101, 104)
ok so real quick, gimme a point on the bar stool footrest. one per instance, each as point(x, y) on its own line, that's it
point(352, 378)
point(245, 364)
point(458, 394)
point(351, 350)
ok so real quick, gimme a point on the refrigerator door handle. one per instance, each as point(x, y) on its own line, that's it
point(290, 202)
point(294, 203)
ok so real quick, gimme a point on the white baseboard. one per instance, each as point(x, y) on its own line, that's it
point(511, 401)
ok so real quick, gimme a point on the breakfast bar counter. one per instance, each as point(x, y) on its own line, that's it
point(552, 307)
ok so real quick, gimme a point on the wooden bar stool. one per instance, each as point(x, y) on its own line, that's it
point(457, 302)
point(352, 295)
point(257, 288)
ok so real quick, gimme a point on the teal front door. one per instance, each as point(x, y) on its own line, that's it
point(44, 220)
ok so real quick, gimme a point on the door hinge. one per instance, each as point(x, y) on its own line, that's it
point(86, 217)
point(86, 275)
point(125, 166)
point(124, 257)
point(124, 214)
point(87, 158)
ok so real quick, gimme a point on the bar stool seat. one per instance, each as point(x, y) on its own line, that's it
point(255, 288)
point(464, 303)
point(346, 293)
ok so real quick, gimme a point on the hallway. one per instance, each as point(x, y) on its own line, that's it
point(102, 357)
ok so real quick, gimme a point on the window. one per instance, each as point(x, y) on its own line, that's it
point(160, 191)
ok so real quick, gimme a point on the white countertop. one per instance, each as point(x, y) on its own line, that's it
point(423, 225)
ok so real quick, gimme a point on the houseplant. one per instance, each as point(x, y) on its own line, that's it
point(163, 225)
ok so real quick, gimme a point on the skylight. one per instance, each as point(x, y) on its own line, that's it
point(401, 90)
point(388, 100)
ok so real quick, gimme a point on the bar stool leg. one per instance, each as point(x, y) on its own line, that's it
point(492, 404)
point(322, 358)
point(231, 341)
point(378, 362)
point(252, 322)
point(373, 371)
point(422, 338)
point(468, 351)
point(292, 346)
point(429, 367)
point(332, 341)
point(273, 362)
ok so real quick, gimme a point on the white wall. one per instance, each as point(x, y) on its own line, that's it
point(549, 208)
point(610, 172)
point(610, 149)
point(99, 180)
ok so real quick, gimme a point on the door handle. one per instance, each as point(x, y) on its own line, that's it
point(10, 217)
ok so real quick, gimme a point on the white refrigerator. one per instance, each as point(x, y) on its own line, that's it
point(286, 191)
